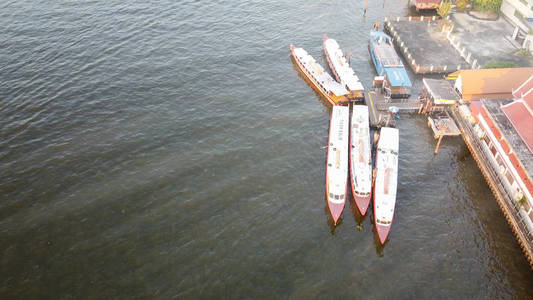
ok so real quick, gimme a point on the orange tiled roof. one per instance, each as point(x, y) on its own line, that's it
point(497, 82)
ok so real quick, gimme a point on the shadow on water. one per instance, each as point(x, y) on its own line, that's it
point(359, 219)
point(379, 247)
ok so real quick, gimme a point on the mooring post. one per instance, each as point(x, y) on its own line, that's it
point(421, 105)
point(440, 139)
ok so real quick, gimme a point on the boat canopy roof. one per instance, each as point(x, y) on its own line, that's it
point(338, 151)
point(360, 153)
point(398, 77)
point(316, 70)
point(384, 49)
point(389, 139)
point(386, 175)
point(346, 74)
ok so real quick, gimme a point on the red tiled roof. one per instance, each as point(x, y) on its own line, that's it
point(495, 130)
point(524, 88)
point(505, 145)
point(521, 172)
point(528, 98)
point(522, 120)
point(475, 107)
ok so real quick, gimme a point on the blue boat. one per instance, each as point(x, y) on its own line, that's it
point(389, 65)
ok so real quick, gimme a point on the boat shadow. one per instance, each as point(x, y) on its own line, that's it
point(358, 218)
point(377, 243)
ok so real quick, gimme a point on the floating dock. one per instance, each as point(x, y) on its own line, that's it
point(426, 48)
point(443, 126)
point(379, 108)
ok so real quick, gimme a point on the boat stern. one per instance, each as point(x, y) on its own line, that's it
point(340, 100)
point(357, 96)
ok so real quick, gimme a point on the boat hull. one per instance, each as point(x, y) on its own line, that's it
point(385, 182)
point(360, 158)
point(383, 232)
point(335, 210)
point(333, 70)
point(362, 203)
point(332, 100)
point(354, 95)
point(337, 161)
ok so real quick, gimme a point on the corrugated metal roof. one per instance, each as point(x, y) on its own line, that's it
point(398, 77)
point(441, 90)
point(495, 83)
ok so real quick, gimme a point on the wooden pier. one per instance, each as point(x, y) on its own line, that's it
point(379, 108)
point(426, 48)
point(507, 205)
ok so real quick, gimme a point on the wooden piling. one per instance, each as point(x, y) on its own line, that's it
point(440, 139)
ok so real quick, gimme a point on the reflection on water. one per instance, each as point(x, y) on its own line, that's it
point(172, 150)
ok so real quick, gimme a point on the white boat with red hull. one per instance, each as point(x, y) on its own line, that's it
point(386, 181)
point(337, 161)
point(360, 158)
point(341, 69)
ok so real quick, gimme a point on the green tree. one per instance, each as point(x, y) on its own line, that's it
point(522, 202)
point(499, 64)
point(482, 5)
point(461, 4)
point(444, 8)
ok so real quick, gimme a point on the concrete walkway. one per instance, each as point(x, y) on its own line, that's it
point(488, 40)
point(427, 45)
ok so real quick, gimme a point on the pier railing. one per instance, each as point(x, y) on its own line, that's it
point(510, 208)
point(456, 44)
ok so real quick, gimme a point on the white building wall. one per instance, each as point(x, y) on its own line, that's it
point(508, 9)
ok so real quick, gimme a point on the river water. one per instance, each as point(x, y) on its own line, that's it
point(170, 149)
